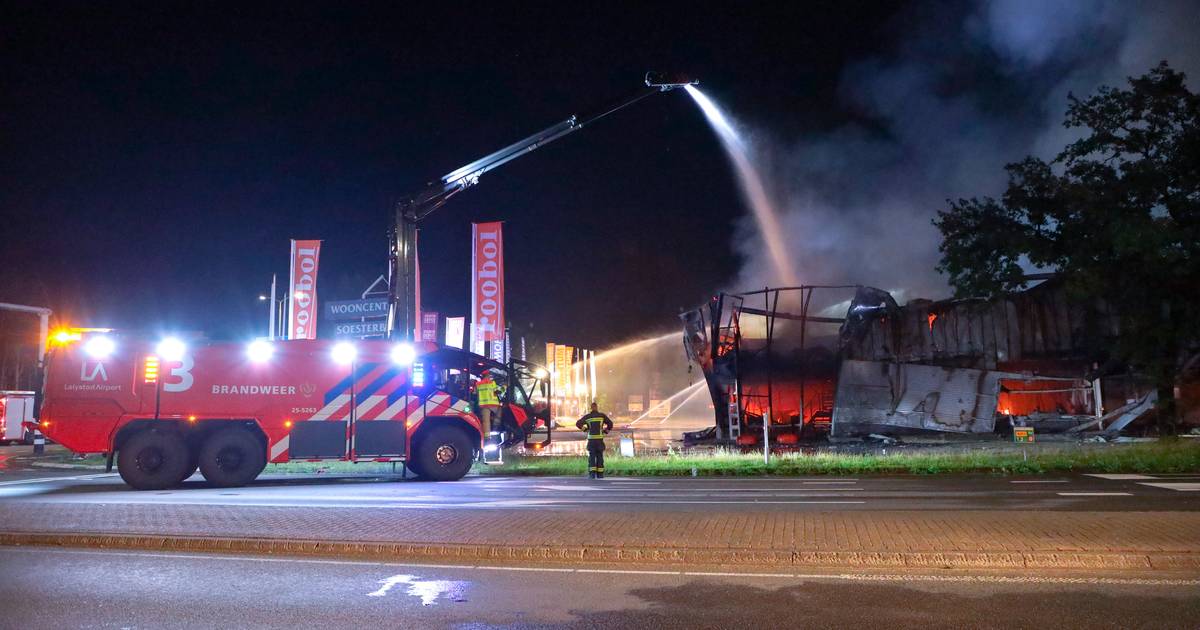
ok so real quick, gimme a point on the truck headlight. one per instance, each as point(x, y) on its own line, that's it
point(171, 349)
point(99, 347)
point(404, 354)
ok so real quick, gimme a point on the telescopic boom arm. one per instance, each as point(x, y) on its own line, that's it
point(402, 290)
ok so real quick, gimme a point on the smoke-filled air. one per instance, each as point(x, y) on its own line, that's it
point(941, 115)
point(855, 204)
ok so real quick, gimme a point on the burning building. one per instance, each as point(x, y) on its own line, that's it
point(849, 360)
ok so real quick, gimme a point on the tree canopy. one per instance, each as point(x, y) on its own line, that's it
point(1117, 213)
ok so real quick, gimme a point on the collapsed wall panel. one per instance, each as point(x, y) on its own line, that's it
point(875, 395)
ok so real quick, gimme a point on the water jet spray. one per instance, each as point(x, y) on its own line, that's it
point(752, 185)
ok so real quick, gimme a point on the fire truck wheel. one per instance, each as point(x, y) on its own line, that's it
point(231, 457)
point(153, 460)
point(414, 467)
point(442, 454)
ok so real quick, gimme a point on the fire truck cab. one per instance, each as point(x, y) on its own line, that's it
point(163, 408)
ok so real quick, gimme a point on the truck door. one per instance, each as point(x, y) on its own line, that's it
point(326, 434)
point(379, 427)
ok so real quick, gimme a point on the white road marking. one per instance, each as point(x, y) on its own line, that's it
point(1010, 579)
point(739, 575)
point(246, 495)
point(1094, 494)
point(389, 583)
point(1121, 476)
point(818, 482)
point(49, 479)
point(678, 491)
point(1181, 487)
point(880, 577)
point(401, 504)
point(619, 571)
point(429, 591)
point(1041, 481)
point(537, 569)
point(670, 502)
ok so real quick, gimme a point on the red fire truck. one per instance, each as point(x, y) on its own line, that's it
point(165, 408)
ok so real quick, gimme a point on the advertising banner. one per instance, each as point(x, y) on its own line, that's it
point(455, 329)
point(302, 320)
point(357, 309)
point(487, 281)
point(429, 326)
point(562, 369)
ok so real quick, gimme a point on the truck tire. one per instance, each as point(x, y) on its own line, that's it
point(442, 454)
point(153, 460)
point(414, 467)
point(232, 457)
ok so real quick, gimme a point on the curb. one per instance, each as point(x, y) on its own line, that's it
point(645, 555)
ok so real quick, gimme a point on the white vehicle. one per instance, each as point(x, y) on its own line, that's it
point(16, 409)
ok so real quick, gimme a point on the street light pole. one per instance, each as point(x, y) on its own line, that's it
point(279, 320)
point(271, 316)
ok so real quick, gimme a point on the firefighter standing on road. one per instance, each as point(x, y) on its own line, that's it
point(596, 424)
point(489, 403)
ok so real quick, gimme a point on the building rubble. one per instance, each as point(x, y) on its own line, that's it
point(848, 361)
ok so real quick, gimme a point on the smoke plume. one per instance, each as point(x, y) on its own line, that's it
point(957, 100)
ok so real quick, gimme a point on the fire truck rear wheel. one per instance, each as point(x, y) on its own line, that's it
point(153, 460)
point(442, 454)
point(414, 467)
point(232, 457)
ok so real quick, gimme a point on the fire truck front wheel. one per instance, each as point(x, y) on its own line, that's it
point(153, 460)
point(232, 457)
point(442, 454)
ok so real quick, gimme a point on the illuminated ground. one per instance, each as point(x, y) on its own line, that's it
point(74, 588)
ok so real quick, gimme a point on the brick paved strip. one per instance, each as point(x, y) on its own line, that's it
point(464, 554)
point(861, 539)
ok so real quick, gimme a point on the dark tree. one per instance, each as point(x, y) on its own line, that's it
point(1117, 213)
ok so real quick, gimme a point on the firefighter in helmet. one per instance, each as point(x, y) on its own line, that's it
point(597, 425)
point(488, 398)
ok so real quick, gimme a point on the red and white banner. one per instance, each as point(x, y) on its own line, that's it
point(302, 320)
point(487, 281)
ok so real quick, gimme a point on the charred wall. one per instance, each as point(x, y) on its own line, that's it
point(1039, 330)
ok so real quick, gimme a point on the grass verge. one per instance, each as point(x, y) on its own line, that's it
point(1167, 456)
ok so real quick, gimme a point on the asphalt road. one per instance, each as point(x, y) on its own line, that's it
point(43, 588)
point(950, 492)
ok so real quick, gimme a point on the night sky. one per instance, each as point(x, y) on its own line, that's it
point(156, 158)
